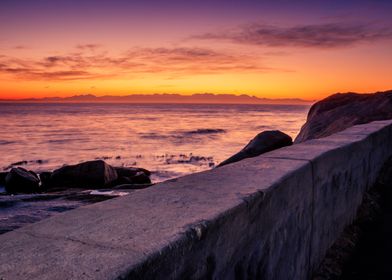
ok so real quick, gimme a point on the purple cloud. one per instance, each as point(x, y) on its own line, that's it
point(84, 64)
point(330, 35)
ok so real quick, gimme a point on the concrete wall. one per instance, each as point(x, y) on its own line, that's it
point(269, 217)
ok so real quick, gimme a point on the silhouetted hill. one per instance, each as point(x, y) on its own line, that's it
point(167, 98)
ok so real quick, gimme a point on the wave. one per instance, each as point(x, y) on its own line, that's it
point(206, 131)
point(5, 142)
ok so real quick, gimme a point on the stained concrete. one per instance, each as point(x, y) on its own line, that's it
point(269, 217)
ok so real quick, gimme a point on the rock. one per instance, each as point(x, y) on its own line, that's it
point(121, 181)
point(130, 171)
point(91, 174)
point(340, 111)
point(131, 175)
point(141, 178)
point(265, 141)
point(46, 182)
point(2, 178)
point(19, 180)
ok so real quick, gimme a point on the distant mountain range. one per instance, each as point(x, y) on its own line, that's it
point(204, 98)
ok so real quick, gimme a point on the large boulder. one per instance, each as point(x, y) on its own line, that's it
point(340, 111)
point(265, 141)
point(19, 180)
point(90, 174)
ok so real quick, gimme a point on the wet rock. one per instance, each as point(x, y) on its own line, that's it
point(141, 178)
point(2, 178)
point(23, 162)
point(34, 174)
point(122, 180)
point(340, 111)
point(265, 141)
point(19, 180)
point(90, 174)
point(130, 171)
point(19, 163)
point(131, 175)
point(46, 180)
point(24, 209)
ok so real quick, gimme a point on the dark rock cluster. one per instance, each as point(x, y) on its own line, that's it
point(95, 174)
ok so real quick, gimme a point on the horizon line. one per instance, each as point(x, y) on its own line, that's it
point(160, 98)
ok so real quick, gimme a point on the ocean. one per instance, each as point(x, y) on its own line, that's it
point(168, 139)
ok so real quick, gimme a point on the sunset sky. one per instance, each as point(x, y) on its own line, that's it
point(273, 49)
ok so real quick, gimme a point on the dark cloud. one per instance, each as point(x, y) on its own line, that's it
point(90, 47)
point(20, 47)
point(330, 35)
point(176, 62)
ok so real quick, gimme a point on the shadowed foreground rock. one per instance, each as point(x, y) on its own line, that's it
point(2, 178)
point(20, 180)
point(94, 174)
point(265, 141)
point(340, 111)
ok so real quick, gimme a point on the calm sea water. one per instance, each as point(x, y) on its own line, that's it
point(170, 140)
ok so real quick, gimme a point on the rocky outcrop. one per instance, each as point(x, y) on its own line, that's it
point(90, 174)
point(265, 141)
point(340, 111)
point(19, 180)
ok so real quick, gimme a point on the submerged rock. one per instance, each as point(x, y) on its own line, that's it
point(340, 111)
point(19, 180)
point(265, 141)
point(90, 174)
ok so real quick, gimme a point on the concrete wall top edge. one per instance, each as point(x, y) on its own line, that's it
point(315, 148)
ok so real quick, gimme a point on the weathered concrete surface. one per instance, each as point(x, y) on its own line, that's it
point(344, 166)
point(269, 217)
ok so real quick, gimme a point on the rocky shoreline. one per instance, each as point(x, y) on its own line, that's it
point(95, 174)
point(27, 196)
